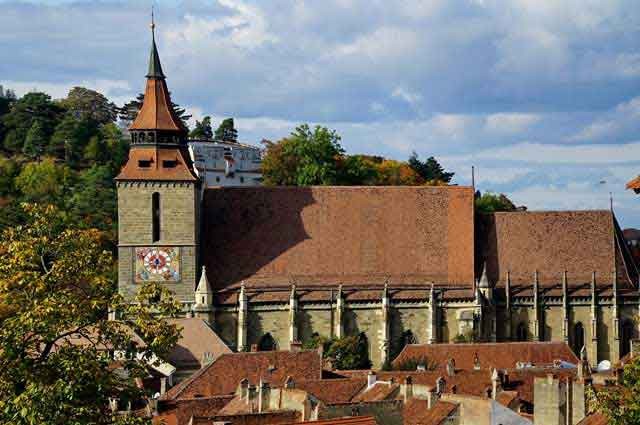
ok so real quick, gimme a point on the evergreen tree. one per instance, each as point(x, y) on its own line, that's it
point(430, 170)
point(31, 107)
point(35, 141)
point(84, 103)
point(202, 129)
point(226, 131)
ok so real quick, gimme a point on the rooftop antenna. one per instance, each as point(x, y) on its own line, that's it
point(611, 201)
point(153, 23)
point(473, 178)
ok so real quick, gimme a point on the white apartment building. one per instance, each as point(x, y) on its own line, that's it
point(221, 163)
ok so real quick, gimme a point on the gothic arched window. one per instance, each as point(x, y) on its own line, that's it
point(155, 217)
point(267, 343)
point(625, 337)
point(578, 338)
point(521, 332)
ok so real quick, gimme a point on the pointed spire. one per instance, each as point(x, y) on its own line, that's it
point(155, 69)
point(203, 284)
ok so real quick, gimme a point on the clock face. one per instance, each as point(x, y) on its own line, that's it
point(158, 264)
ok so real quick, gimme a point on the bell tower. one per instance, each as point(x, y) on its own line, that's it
point(157, 197)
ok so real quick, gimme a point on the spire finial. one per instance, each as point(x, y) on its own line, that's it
point(155, 69)
point(153, 23)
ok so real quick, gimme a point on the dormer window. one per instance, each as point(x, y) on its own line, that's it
point(144, 163)
point(169, 163)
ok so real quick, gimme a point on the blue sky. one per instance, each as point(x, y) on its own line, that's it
point(542, 96)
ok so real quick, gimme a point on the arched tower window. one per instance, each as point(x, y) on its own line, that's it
point(267, 343)
point(578, 338)
point(626, 337)
point(155, 216)
point(521, 332)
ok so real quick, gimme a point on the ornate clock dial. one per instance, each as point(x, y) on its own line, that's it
point(157, 261)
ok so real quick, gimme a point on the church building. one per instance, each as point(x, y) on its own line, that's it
point(274, 266)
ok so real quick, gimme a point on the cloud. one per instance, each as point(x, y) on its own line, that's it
point(410, 98)
point(510, 122)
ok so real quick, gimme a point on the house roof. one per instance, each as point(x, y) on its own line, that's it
point(225, 373)
point(634, 184)
point(503, 355)
point(197, 340)
point(351, 420)
point(551, 242)
point(161, 164)
point(416, 412)
point(319, 236)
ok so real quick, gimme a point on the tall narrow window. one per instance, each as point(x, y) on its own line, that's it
point(521, 332)
point(578, 338)
point(155, 216)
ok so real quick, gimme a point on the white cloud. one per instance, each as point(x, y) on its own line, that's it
point(510, 122)
point(407, 96)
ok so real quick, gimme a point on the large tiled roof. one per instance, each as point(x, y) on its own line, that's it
point(502, 355)
point(321, 236)
point(332, 391)
point(224, 374)
point(352, 420)
point(197, 340)
point(551, 242)
point(416, 412)
point(164, 164)
point(156, 112)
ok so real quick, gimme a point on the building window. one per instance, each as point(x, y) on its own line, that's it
point(155, 216)
point(241, 179)
point(521, 332)
point(626, 337)
point(578, 338)
point(267, 343)
point(218, 179)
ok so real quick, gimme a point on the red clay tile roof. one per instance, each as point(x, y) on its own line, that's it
point(503, 355)
point(156, 112)
point(416, 412)
point(352, 420)
point(223, 375)
point(331, 391)
point(505, 398)
point(320, 236)
point(634, 184)
point(166, 164)
point(551, 242)
point(594, 419)
point(196, 339)
point(378, 391)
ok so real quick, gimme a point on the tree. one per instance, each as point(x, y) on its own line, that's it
point(9, 169)
point(44, 181)
point(397, 173)
point(57, 363)
point(226, 131)
point(490, 202)
point(35, 141)
point(86, 104)
point(93, 201)
point(71, 137)
point(202, 129)
point(24, 112)
point(307, 157)
point(430, 170)
point(129, 110)
point(350, 352)
point(620, 404)
point(358, 170)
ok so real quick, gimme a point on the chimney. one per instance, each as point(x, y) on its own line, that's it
point(432, 398)
point(254, 348)
point(407, 388)
point(371, 379)
point(243, 389)
point(263, 396)
point(505, 378)
point(163, 385)
point(495, 383)
point(440, 384)
point(476, 362)
point(451, 367)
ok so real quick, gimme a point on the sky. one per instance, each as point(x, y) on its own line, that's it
point(541, 96)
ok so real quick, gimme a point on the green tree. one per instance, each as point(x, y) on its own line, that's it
point(358, 170)
point(226, 131)
point(87, 104)
point(117, 147)
point(5, 107)
point(490, 202)
point(397, 173)
point(71, 137)
point(9, 170)
point(44, 181)
point(57, 347)
point(202, 129)
point(350, 352)
point(35, 141)
point(307, 157)
point(430, 170)
point(620, 404)
point(24, 112)
point(93, 201)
